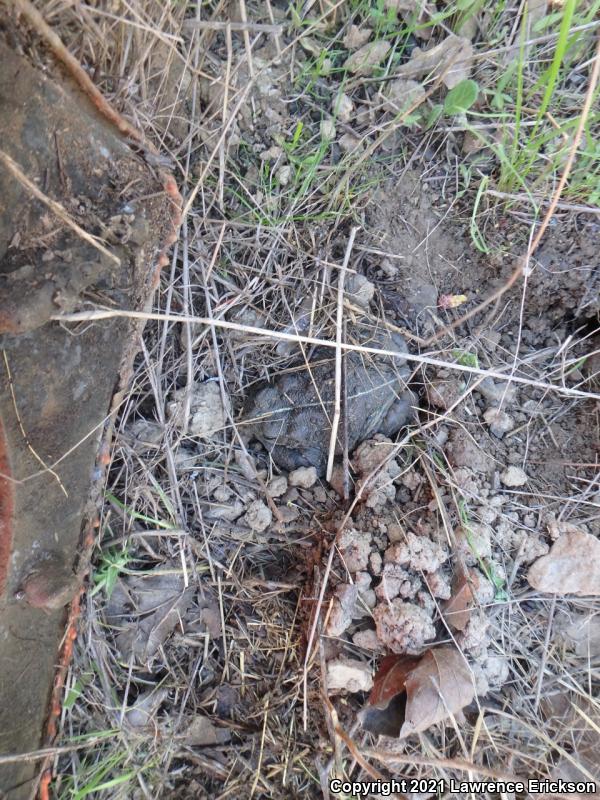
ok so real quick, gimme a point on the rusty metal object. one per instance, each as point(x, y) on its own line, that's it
point(57, 382)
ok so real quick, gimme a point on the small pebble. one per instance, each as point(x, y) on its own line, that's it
point(288, 514)
point(348, 143)
point(277, 486)
point(327, 130)
point(343, 108)
point(304, 477)
point(284, 174)
point(499, 421)
point(222, 493)
point(514, 476)
point(349, 674)
point(258, 517)
point(360, 290)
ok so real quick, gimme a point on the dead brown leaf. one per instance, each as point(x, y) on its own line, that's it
point(407, 10)
point(390, 679)
point(571, 567)
point(385, 712)
point(439, 687)
point(454, 53)
point(364, 61)
point(411, 693)
point(457, 610)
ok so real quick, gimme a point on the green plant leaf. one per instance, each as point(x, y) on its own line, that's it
point(461, 97)
point(465, 359)
point(433, 116)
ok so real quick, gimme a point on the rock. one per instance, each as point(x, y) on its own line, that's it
point(376, 563)
point(514, 476)
point(258, 517)
point(207, 415)
point(571, 567)
point(284, 174)
point(304, 477)
point(464, 452)
point(277, 486)
point(356, 37)
point(367, 58)
point(367, 640)
point(288, 514)
point(229, 512)
point(474, 542)
point(499, 421)
point(444, 392)
point(396, 581)
point(497, 393)
point(349, 143)
point(222, 493)
point(327, 130)
point(349, 674)
point(292, 419)
point(342, 108)
point(403, 627)
point(360, 291)
point(418, 552)
point(355, 547)
point(343, 609)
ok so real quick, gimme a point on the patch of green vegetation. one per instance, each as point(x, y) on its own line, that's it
point(114, 561)
point(92, 776)
point(465, 359)
point(130, 512)
point(551, 107)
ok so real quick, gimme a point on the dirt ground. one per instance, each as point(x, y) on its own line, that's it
point(239, 612)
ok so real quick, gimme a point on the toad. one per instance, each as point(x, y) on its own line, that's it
point(292, 415)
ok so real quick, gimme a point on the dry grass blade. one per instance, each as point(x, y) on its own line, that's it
point(339, 328)
point(88, 316)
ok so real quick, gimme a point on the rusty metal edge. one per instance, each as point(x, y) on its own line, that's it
point(91, 523)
